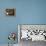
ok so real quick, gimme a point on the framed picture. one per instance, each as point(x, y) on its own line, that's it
point(32, 32)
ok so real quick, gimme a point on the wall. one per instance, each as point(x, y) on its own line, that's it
point(27, 12)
